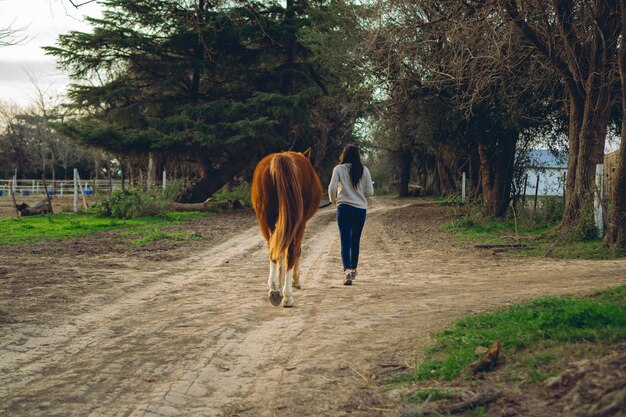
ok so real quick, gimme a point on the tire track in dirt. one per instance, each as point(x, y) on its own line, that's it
point(201, 339)
point(237, 376)
point(105, 341)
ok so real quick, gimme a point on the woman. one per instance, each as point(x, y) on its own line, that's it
point(351, 201)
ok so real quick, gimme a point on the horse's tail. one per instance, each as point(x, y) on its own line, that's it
point(286, 178)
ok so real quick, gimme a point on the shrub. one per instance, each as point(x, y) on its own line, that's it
point(173, 189)
point(127, 204)
point(548, 213)
point(240, 192)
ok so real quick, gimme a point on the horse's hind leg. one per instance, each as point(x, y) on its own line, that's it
point(273, 283)
point(293, 255)
point(287, 290)
point(293, 261)
point(296, 275)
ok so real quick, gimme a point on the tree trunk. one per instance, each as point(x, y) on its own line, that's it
point(212, 179)
point(406, 160)
point(616, 231)
point(496, 171)
point(53, 167)
point(587, 135)
point(320, 153)
point(586, 69)
point(153, 170)
point(445, 182)
point(424, 173)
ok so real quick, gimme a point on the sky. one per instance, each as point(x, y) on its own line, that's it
point(42, 21)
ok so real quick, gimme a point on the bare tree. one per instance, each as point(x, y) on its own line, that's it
point(10, 35)
point(616, 233)
point(578, 40)
point(468, 55)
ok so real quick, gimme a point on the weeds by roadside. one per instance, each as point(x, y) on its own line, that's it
point(240, 192)
point(543, 343)
point(534, 325)
point(527, 225)
point(128, 204)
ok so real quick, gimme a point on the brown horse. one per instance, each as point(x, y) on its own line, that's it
point(286, 192)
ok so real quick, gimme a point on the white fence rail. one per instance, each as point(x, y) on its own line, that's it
point(26, 187)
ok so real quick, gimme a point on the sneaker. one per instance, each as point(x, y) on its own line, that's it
point(348, 277)
point(354, 274)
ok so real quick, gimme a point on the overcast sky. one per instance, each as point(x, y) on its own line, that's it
point(43, 21)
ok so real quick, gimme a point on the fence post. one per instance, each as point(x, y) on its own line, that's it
point(463, 186)
point(164, 180)
point(17, 213)
point(45, 188)
point(80, 188)
point(75, 190)
point(598, 196)
point(524, 193)
point(536, 193)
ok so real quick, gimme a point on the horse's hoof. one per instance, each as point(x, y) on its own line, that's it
point(287, 303)
point(275, 298)
point(297, 286)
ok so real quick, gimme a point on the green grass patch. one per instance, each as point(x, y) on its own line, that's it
point(34, 229)
point(616, 295)
point(159, 234)
point(539, 237)
point(240, 192)
point(592, 249)
point(535, 325)
point(495, 231)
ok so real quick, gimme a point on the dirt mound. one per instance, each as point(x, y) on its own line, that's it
point(591, 388)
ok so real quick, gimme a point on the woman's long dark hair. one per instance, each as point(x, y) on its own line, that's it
point(350, 155)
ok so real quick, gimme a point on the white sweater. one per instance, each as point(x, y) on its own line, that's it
point(341, 190)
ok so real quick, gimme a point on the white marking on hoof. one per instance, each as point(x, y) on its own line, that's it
point(288, 302)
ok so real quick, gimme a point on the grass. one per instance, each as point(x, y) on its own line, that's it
point(528, 331)
point(34, 229)
point(537, 235)
point(495, 231)
point(157, 234)
point(430, 394)
point(240, 192)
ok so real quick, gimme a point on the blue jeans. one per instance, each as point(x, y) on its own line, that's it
point(351, 221)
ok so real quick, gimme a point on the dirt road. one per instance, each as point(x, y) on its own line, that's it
point(190, 332)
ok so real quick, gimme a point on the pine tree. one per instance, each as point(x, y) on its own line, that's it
point(220, 83)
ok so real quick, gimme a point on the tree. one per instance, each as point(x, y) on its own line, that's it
point(11, 36)
point(579, 41)
point(217, 83)
point(616, 233)
point(469, 60)
point(15, 150)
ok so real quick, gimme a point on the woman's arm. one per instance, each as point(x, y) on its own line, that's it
point(368, 187)
point(332, 187)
